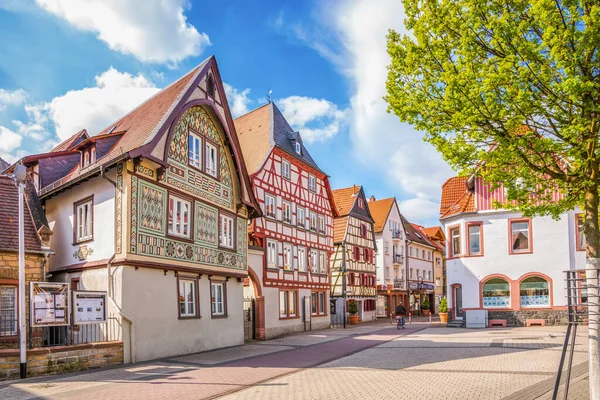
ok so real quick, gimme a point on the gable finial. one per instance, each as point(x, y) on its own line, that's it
point(269, 95)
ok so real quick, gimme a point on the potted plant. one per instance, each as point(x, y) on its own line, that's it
point(426, 310)
point(444, 310)
point(353, 311)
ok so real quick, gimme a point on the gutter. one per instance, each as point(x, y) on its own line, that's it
point(108, 280)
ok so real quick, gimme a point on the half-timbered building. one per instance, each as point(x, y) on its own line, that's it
point(154, 211)
point(354, 248)
point(290, 277)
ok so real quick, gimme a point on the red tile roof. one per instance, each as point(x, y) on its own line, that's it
point(345, 198)
point(380, 209)
point(456, 197)
point(339, 229)
point(9, 219)
point(70, 142)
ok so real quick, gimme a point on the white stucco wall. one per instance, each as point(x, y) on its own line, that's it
point(384, 260)
point(59, 212)
point(553, 252)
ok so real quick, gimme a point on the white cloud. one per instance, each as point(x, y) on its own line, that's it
point(13, 98)
point(9, 142)
point(151, 30)
point(316, 119)
point(238, 100)
point(352, 35)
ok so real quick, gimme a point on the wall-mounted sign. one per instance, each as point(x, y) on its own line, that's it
point(49, 303)
point(89, 307)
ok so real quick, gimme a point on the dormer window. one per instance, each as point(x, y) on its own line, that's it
point(88, 156)
point(298, 148)
point(361, 202)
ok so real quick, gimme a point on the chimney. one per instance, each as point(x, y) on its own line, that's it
point(372, 198)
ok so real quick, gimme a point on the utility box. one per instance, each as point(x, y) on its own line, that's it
point(477, 318)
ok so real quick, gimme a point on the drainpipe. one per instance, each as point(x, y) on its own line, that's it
point(108, 280)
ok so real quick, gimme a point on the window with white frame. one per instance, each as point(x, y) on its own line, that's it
point(179, 217)
point(314, 261)
point(288, 257)
point(455, 241)
point(301, 259)
point(313, 221)
point(195, 150)
point(520, 236)
point(187, 298)
point(428, 275)
point(211, 159)
point(272, 254)
point(288, 301)
point(298, 148)
point(293, 302)
point(321, 224)
point(474, 238)
point(217, 293)
point(321, 303)
point(286, 212)
point(300, 217)
point(270, 206)
point(323, 262)
point(312, 183)
point(285, 169)
point(84, 224)
point(227, 231)
point(283, 304)
point(8, 310)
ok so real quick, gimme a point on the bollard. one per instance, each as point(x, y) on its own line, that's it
point(429, 317)
point(409, 318)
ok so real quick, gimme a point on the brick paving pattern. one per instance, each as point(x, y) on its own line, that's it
point(370, 361)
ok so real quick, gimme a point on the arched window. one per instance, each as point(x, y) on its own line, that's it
point(535, 292)
point(496, 293)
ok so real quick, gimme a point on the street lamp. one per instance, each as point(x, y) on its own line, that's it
point(20, 176)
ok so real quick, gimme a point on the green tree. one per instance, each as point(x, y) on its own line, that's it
point(510, 90)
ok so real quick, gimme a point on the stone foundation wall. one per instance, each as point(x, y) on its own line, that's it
point(520, 317)
point(61, 359)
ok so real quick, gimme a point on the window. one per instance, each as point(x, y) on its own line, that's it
point(366, 254)
point(410, 251)
point(298, 148)
point(321, 224)
point(286, 212)
point(218, 302)
point(179, 217)
point(314, 261)
point(535, 292)
point(314, 302)
point(187, 298)
point(418, 273)
point(88, 157)
point(423, 254)
point(210, 86)
point(195, 150)
point(84, 220)
point(300, 217)
point(411, 273)
point(288, 303)
point(474, 242)
point(356, 253)
point(363, 231)
point(361, 202)
point(496, 293)
point(271, 254)
point(227, 231)
point(270, 206)
point(429, 275)
point(312, 183)
point(455, 241)
point(287, 257)
point(313, 221)
point(323, 263)
point(579, 218)
point(8, 310)
point(285, 169)
point(386, 248)
point(321, 303)
point(211, 159)
point(520, 236)
point(301, 259)
point(438, 282)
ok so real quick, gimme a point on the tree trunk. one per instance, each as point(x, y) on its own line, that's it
point(592, 236)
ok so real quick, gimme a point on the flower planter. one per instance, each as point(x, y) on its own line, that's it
point(353, 319)
point(426, 313)
point(444, 317)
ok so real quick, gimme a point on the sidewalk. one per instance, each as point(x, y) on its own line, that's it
point(210, 374)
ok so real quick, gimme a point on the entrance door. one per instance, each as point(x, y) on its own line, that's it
point(458, 302)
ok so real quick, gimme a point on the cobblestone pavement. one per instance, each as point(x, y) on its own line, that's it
point(425, 361)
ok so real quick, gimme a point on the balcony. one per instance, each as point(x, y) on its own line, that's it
point(398, 259)
point(396, 235)
point(398, 284)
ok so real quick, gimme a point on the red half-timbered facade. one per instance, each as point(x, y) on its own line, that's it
point(296, 230)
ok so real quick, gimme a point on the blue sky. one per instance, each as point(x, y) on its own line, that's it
point(73, 64)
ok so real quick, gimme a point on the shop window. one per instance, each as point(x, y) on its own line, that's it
point(535, 292)
point(496, 293)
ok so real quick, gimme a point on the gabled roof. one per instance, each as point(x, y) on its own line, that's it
point(380, 210)
point(264, 128)
point(9, 219)
point(3, 165)
point(72, 141)
point(456, 197)
point(345, 199)
point(414, 234)
point(435, 232)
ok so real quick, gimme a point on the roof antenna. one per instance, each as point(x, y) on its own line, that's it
point(269, 95)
